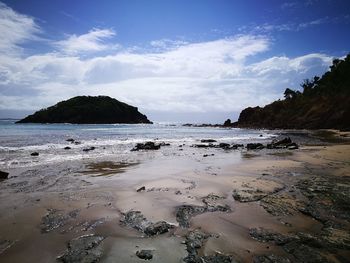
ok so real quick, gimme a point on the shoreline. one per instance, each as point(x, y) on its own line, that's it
point(251, 201)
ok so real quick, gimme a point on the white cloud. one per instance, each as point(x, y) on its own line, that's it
point(92, 41)
point(167, 44)
point(292, 26)
point(15, 29)
point(172, 76)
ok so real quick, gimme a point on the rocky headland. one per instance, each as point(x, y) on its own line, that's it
point(88, 110)
point(324, 103)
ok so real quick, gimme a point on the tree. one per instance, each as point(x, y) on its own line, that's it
point(307, 85)
point(336, 62)
point(289, 94)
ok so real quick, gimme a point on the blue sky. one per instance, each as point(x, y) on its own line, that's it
point(190, 61)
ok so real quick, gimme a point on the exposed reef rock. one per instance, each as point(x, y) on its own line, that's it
point(270, 259)
point(145, 254)
point(83, 249)
point(136, 220)
point(55, 219)
point(194, 241)
point(3, 175)
point(328, 198)
point(146, 146)
point(255, 190)
point(88, 110)
point(184, 213)
point(305, 247)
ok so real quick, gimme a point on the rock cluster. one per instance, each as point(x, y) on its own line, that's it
point(184, 213)
point(194, 241)
point(3, 175)
point(145, 254)
point(83, 249)
point(136, 220)
point(285, 143)
point(225, 146)
point(146, 146)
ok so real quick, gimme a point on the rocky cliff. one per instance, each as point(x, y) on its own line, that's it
point(324, 103)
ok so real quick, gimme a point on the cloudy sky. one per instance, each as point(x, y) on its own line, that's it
point(184, 60)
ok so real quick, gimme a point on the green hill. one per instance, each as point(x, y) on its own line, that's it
point(88, 110)
point(324, 103)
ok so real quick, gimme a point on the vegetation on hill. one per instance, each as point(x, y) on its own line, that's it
point(88, 110)
point(324, 103)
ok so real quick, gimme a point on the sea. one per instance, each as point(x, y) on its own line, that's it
point(19, 141)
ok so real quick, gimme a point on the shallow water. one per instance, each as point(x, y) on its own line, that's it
point(18, 141)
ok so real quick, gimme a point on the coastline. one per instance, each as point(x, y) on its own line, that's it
point(44, 207)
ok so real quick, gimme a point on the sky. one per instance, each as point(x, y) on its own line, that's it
point(179, 61)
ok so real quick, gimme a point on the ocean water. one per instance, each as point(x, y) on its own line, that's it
point(18, 141)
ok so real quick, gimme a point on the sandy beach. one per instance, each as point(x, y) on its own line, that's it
point(195, 205)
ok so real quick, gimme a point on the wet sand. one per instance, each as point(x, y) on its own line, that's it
point(285, 194)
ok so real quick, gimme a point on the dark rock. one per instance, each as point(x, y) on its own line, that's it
point(88, 110)
point(264, 235)
point(285, 143)
point(194, 241)
point(217, 258)
point(67, 148)
point(328, 197)
point(158, 228)
point(255, 146)
point(206, 155)
point(225, 146)
point(77, 143)
point(92, 224)
point(251, 192)
point(83, 249)
point(143, 188)
point(145, 254)
point(270, 259)
point(164, 144)
point(203, 145)
point(34, 154)
point(184, 213)
point(89, 149)
point(136, 220)
point(208, 140)
point(3, 175)
point(55, 219)
point(70, 140)
point(304, 253)
point(280, 205)
point(146, 146)
point(235, 146)
point(227, 123)
point(6, 244)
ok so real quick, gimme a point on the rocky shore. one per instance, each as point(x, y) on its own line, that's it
point(285, 200)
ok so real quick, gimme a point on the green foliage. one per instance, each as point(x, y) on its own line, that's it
point(87, 109)
point(323, 103)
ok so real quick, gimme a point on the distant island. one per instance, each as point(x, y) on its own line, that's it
point(88, 110)
point(324, 103)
